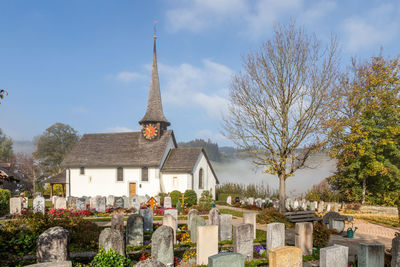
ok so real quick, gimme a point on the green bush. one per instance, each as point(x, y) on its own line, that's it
point(5, 196)
point(321, 235)
point(109, 258)
point(190, 198)
point(271, 215)
point(205, 201)
point(175, 195)
point(162, 196)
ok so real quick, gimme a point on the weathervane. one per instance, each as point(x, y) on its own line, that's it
point(155, 28)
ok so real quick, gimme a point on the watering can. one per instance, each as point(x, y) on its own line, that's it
point(350, 231)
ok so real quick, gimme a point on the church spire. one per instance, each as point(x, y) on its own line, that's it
point(154, 112)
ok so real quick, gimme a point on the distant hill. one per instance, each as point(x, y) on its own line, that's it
point(214, 152)
point(26, 147)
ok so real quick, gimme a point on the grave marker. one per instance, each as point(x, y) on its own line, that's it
point(162, 248)
point(303, 237)
point(53, 245)
point(147, 215)
point(112, 239)
point(15, 205)
point(371, 255)
point(167, 203)
point(207, 243)
point(285, 257)
point(275, 235)
point(225, 227)
point(169, 220)
point(250, 217)
point(38, 204)
point(243, 240)
point(134, 230)
point(334, 256)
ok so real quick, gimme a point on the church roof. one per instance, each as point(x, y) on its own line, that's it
point(184, 159)
point(60, 178)
point(154, 112)
point(118, 149)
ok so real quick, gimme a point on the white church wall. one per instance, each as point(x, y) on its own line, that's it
point(209, 178)
point(176, 181)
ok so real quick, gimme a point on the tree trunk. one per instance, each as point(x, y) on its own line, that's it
point(282, 192)
point(364, 187)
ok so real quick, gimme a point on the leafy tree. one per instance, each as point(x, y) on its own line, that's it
point(280, 103)
point(53, 145)
point(367, 146)
point(6, 148)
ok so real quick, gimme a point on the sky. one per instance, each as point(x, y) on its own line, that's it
point(88, 63)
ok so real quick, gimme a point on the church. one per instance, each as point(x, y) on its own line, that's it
point(138, 163)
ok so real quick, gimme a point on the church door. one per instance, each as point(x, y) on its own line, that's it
point(132, 189)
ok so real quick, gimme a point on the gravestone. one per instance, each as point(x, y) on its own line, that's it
point(87, 199)
point(38, 204)
point(24, 202)
point(61, 203)
point(250, 217)
point(285, 257)
point(81, 203)
point(52, 264)
point(118, 203)
point(100, 204)
point(259, 202)
point(72, 202)
point(173, 213)
point(190, 214)
point(226, 259)
point(334, 256)
point(335, 207)
point(304, 237)
point(15, 205)
point(134, 230)
point(308, 205)
point(287, 204)
point(229, 200)
point(117, 220)
point(243, 240)
point(112, 239)
point(53, 245)
point(250, 201)
point(320, 208)
point(207, 243)
point(328, 207)
point(195, 222)
point(169, 220)
point(167, 203)
point(371, 255)
point(275, 235)
point(295, 205)
point(225, 227)
point(150, 263)
point(53, 200)
point(337, 224)
point(142, 199)
point(135, 204)
point(312, 206)
point(304, 205)
point(110, 201)
point(315, 205)
point(93, 203)
point(396, 251)
point(158, 199)
point(162, 245)
point(213, 217)
point(147, 215)
point(126, 202)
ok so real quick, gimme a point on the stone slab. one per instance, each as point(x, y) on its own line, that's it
point(207, 243)
point(285, 257)
point(334, 256)
point(226, 259)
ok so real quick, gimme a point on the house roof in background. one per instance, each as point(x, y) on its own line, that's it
point(118, 149)
point(60, 178)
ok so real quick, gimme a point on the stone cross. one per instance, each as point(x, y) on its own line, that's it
point(371, 254)
point(169, 220)
point(38, 204)
point(15, 205)
point(207, 243)
point(243, 240)
point(112, 239)
point(162, 248)
point(195, 222)
point(275, 235)
point(334, 256)
point(225, 227)
point(304, 237)
point(167, 203)
point(134, 230)
point(250, 217)
point(285, 256)
point(53, 245)
point(147, 219)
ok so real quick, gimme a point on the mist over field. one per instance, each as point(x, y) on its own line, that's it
point(245, 172)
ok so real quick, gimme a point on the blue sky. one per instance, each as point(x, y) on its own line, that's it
point(87, 63)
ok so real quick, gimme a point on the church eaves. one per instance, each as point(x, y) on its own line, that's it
point(154, 112)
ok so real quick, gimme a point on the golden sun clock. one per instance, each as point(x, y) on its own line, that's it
point(150, 131)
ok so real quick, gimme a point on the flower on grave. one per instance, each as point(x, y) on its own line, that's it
point(184, 238)
point(189, 254)
point(259, 249)
point(144, 256)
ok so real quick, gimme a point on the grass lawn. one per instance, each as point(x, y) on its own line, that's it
point(392, 221)
point(233, 212)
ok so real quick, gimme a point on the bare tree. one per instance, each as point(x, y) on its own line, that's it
point(281, 102)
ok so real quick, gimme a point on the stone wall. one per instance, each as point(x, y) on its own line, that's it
point(379, 210)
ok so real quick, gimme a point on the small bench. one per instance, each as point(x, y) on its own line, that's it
point(301, 216)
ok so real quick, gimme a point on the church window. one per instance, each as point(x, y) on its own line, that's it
point(201, 179)
point(82, 171)
point(145, 174)
point(175, 182)
point(120, 174)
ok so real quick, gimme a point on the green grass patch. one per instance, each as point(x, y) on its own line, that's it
point(233, 212)
point(256, 262)
point(261, 236)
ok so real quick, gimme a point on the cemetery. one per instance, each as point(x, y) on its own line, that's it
point(150, 231)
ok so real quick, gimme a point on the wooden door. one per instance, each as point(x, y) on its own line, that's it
point(132, 189)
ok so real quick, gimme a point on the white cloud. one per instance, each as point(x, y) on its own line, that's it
point(119, 129)
point(205, 86)
point(126, 76)
point(318, 10)
point(377, 27)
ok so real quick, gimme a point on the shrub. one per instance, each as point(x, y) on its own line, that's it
point(320, 235)
point(271, 215)
point(175, 195)
point(5, 196)
point(109, 258)
point(162, 196)
point(190, 198)
point(205, 201)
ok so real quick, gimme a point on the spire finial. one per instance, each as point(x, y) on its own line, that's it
point(155, 29)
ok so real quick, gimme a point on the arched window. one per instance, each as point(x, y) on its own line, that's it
point(201, 178)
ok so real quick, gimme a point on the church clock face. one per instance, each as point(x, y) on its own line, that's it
point(150, 131)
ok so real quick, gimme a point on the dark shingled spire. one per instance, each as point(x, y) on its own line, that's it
point(154, 112)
